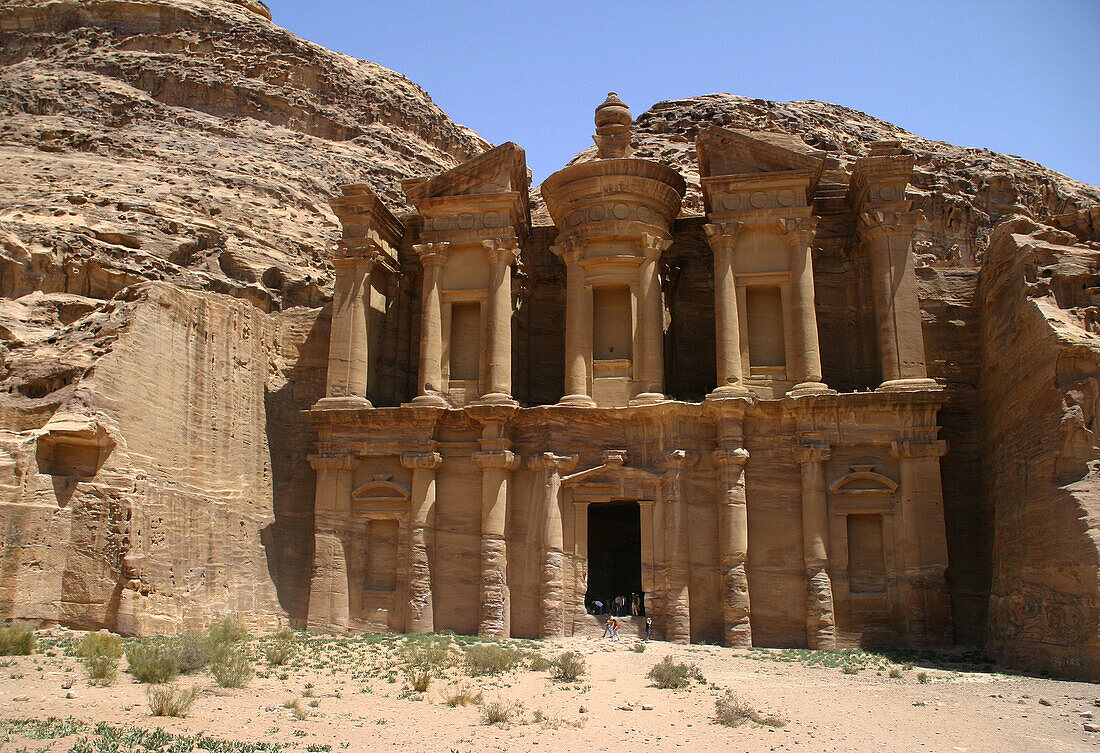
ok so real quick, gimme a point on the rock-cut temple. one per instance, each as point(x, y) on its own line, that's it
point(723, 417)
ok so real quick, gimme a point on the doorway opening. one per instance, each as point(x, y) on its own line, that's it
point(615, 559)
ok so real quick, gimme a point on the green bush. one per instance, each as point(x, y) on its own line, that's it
point(227, 630)
point(193, 651)
point(101, 643)
point(170, 701)
point(490, 659)
point(539, 663)
point(231, 667)
point(102, 669)
point(279, 653)
point(569, 666)
point(16, 641)
point(669, 674)
point(498, 712)
point(420, 679)
point(151, 662)
point(431, 654)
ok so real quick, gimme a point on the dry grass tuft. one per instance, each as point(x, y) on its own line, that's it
point(166, 700)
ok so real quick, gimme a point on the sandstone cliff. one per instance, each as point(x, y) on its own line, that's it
point(154, 460)
point(164, 234)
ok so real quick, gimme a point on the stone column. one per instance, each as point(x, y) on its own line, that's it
point(328, 586)
point(820, 622)
point(799, 234)
point(578, 328)
point(677, 548)
point(923, 555)
point(502, 255)
point(432, 258)
point(552, 595)
point(421, 616)
point(496, 464)
point(722, 238)
point(733, 544)
point(652, 320)
point(348, 362)
point(887, 237)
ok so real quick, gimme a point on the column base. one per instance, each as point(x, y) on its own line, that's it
point(905, 385)
point(810, 388)
point(577, 401)
point(647, 398)
point(495, 398)
point(433, 401)
point(346, 402)
point(729, 390)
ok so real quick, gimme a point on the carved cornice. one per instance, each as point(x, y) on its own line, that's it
point(432, 254)
point(333, 462)
point(914, 448)
point(421, 460)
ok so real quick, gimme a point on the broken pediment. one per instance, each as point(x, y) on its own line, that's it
point(728, 151)
point(614, 479)
point(502, 169)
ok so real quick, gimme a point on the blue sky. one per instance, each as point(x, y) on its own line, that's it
point(1011, 76)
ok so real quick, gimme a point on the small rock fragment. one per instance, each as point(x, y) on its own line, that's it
point(1045, 702)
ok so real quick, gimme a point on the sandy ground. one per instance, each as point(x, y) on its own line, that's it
point(345, 685)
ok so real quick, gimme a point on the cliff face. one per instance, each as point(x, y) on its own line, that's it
point(155, 469)
point(164, 235)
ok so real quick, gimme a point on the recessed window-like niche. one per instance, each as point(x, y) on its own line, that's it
point(767, 343)
point(465, 341)
point(612, 325)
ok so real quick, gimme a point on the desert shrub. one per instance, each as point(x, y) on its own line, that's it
point(166, 700)
point(638, 648)
point(462, 695)
point(670, 674)
point(539, 663)
point(895, 672)
point(16, 641)
point(432, 655)
point(850, 669)
point(490, 659)
point(227, 630)
point(731, 711)
point(101, 643)
point(296, 709)
point(569, 666)
point(279, 653)
point(101, 668)
point(420, 679)
point(231, 667)
point(922, 677)
point(193, 651)
point(151, 662)
point(498, 712)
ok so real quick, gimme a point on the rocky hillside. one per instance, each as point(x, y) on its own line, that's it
point(164, 233)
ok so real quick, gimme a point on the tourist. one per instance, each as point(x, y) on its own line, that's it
point(648, 628)
point(597, 606)
point(614, 629)
point(635, 605)
point(608, 627)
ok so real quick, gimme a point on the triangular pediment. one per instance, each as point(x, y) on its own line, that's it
point(502, 169)
point(615, 476)
point(731, 151)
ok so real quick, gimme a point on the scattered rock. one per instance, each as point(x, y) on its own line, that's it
point(21, 698)
point(1045, 702)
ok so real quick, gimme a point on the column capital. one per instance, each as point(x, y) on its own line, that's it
point(887, 223)
point(502, 250)
point(675, 460)
point(358, 249)
point(722, 236)
point(654, 245)
point(333, 462)
point(432, 254)
point(569, 249)
point(812, 452)
point(504, 459)
point(421, 460)
point(545, 461)
point(915, 448)
point(798, 231)
point(725, 457)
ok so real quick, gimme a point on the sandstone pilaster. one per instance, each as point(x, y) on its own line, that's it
point(722, 237)
point(820, 619)
point(552, 594)
point(502, 253)
point(677, 615)
point(496, 463)
point(432, 258)
point(328, 588)
point(420, 613)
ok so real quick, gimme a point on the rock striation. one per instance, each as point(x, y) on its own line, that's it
point(165, 278)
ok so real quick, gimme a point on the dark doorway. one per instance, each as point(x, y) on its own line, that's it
point(615, 558)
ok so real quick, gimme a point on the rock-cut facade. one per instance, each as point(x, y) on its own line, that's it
point(503, 454)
